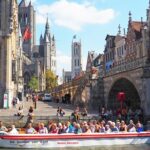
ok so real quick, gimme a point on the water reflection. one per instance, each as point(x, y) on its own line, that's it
point(127, 147)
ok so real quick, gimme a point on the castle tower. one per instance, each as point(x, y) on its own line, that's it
point(27, 18)
point(76, 57)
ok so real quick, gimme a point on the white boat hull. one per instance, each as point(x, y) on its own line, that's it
point(71, 140)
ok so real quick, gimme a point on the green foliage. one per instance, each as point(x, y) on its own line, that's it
point(33, 83)
point(51, 80)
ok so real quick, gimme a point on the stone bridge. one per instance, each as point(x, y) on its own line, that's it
point(133, 78)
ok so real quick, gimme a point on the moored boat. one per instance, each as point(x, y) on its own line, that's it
point(71, 140)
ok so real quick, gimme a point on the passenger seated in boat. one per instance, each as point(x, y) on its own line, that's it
point(49, 126)
point(102, 127)
point(113, 127)
point(3, 128)
point(123, 126)
point(107, 129)
point(13, 130)
point(61, 128)
point(87, 129)
point(37, 126)
point(42, 129)
point(68, 128)
point(78, 129)
point(30, 129)
point(73, 127)
point(54, 129)
point(139, 127)
point(131, 127)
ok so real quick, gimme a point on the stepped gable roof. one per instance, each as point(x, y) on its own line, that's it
point(136, 25)
point(137, 28)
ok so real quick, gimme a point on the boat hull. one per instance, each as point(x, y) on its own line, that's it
point(65, 140)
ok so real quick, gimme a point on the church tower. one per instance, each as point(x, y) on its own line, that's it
point(27, 18)
point(76, 67)
point(49, 49)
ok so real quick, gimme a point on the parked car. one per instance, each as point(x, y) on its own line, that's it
point(47, 97)
point(40, 96)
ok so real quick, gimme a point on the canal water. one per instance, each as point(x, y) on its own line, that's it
point(127, 147)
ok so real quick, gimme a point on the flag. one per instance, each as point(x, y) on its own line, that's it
point(27, 34)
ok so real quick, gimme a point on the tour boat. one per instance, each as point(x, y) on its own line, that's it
point(71, 140)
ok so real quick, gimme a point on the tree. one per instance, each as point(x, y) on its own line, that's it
point(33, 83)
point(51, 80)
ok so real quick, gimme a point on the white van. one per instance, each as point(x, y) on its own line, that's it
point(47, 97)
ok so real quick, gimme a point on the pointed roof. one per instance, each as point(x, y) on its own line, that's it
point(130, 17)
point(47, 24)
point(47, 37)
point(30, 4)
point(23, 3)
point(53, 38)
point(41, 36)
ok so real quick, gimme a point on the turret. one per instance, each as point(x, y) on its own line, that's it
point(41, 39)
point(130, 17)
point(119, 29)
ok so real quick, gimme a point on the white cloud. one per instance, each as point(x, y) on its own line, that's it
point(74, 15)
point(64, 62)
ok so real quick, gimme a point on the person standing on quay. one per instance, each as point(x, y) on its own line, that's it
point(35, 99)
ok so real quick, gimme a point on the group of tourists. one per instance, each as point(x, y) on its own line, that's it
point(121, 114)
point(86, 127)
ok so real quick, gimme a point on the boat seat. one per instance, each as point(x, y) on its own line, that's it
point(22, 131)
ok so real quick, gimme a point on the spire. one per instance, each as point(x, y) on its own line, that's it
point(47, 37)
point(30, 3)
point(130, 17)
point(119, 29)
point(41, 37)
point(47, 24)
point(53, 38)
point(23, 3)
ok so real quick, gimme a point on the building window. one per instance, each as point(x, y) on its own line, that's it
point(75, 62)
point(78, 63)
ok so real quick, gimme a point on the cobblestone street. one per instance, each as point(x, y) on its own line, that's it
point(43, 109)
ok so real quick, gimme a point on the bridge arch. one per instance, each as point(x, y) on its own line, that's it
point(125, 85)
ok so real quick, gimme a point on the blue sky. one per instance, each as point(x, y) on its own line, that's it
point(90, 20)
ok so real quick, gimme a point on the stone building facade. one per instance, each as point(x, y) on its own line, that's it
point(131, 72)
point(10, 52)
